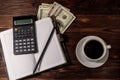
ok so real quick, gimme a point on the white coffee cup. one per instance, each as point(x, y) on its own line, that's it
point(82, 43)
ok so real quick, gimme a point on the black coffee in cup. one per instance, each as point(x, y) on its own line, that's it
point(93, 49)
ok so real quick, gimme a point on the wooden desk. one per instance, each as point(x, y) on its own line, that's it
point(94, 17)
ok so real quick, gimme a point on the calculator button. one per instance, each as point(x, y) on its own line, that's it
point(16, 47)
point(20, 43)
point(28, 49)
point(20, 40)
point(28, 39)
point(16, 51)
point(24, 39)
point(32, 42)
point(24, 43)
point(28, 42)
point(21, 50)
point(24, 50)
point(32, 46)
point(24, 46)
point(28, 46)
point(32, 39)
point(16, 29)
point(16, 44)
point(16, 40)
point(20, 47)
point(32, 49)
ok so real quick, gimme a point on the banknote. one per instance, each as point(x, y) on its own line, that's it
point(55, 8)
point(43, 10)
point(62, 14)
point(46, 4)
point(64, 19)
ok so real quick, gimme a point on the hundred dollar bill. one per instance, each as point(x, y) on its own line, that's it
point(43, 10)
point(63, 16)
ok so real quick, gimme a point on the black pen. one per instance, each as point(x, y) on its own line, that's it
point(55, 27)
point(44, 50)
point(61, 39)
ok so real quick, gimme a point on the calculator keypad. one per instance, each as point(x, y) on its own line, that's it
point(24, 40)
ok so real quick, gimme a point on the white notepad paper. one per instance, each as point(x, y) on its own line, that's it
point(19, 66)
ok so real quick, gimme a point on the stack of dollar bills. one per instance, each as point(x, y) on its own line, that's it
point(62, 14)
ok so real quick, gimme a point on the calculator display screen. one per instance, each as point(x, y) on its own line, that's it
point(23, 22)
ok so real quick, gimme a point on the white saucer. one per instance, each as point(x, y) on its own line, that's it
point(88, 63)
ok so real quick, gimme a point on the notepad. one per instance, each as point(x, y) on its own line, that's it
point(19, 66)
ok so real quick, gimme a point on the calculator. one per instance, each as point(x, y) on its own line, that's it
point(24, 35)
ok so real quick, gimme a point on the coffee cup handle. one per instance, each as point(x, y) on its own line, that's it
point(108, 46)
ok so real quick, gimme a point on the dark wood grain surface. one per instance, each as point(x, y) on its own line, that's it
point(94, 17)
